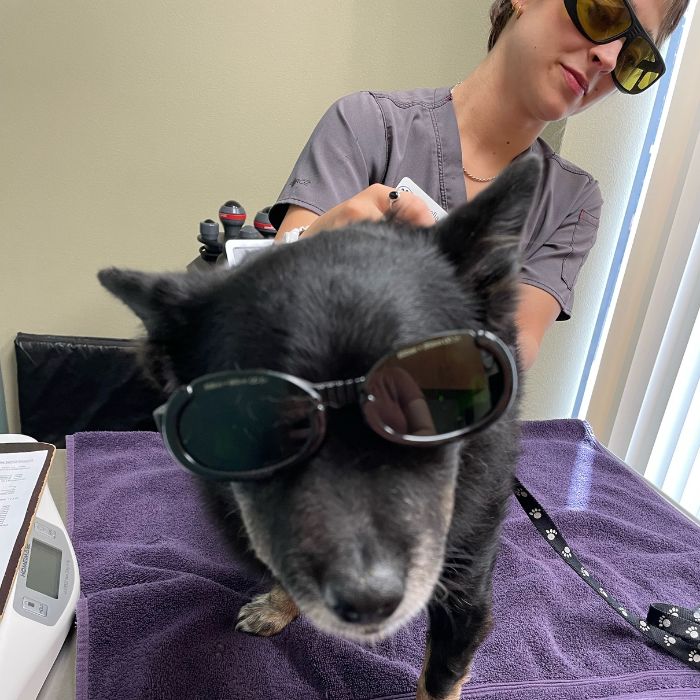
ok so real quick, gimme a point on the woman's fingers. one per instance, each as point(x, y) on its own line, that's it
point(405, 206)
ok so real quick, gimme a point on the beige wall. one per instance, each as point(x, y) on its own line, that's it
point(126, 123)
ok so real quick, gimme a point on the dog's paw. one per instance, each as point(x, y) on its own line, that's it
point(267, 614)
point(454, 694)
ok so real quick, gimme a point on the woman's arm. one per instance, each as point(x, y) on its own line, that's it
point(371, 204)
point(295, 217)
point(537, 310)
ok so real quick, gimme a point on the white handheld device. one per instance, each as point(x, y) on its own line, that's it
point(407, 185)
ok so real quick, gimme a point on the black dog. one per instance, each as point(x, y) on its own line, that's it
point(364, 517)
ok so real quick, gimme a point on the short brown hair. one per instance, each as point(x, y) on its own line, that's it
point(502, 10)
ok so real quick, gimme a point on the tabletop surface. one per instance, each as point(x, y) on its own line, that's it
point(60, 683)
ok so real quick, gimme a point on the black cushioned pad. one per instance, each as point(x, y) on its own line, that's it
point(68, 384)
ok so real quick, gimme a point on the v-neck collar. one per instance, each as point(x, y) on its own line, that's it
point(455, 187)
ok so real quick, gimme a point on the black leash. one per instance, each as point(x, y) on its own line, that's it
point(674, 628)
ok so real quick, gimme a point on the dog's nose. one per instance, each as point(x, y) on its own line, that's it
point(364, 597)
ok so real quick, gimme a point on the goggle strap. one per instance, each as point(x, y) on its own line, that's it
point(340, 393)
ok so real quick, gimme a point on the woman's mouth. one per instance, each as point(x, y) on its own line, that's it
point(576, 82)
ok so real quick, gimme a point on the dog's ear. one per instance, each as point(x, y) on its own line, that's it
point(161, 301)
point(482, 237)
point(166, 305)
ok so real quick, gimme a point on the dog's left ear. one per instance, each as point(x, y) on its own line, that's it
point(482, 237)
point(162, 301)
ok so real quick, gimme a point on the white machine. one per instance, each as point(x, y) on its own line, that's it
point(238, 248)
point(41, 606)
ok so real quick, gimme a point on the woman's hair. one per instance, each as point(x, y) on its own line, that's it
point(502, 10)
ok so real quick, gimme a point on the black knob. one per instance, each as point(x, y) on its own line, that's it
point(208, 231)
point(232, 216)
point(209, 236)
point(262, 223)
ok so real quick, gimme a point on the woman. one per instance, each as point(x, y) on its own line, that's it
point(547, 59)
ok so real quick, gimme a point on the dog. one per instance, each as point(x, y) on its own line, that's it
point(365, 518)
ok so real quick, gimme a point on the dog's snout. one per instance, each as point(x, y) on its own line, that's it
point(364, 597)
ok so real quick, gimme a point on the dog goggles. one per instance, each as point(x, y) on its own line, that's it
point(245, 424)
point(639, 64)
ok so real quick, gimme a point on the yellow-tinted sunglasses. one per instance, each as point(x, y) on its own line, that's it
point(639, 64)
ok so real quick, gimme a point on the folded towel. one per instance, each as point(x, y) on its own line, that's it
point(161, 591)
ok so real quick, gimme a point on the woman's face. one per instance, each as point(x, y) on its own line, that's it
point(559, 72)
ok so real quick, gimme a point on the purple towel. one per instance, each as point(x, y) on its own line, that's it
point(160, 593)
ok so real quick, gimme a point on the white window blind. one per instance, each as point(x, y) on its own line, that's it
point(665, 443)
point(644, 401)
point(674, 464)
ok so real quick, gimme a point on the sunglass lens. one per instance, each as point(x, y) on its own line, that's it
point(638, 66)
point(439, 387)
point(603, 19)
point(247, 423)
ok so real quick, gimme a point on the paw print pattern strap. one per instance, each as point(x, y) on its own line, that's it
point(672, 627)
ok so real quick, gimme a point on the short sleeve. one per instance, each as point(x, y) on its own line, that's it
point(346, 152)
point(554, 266)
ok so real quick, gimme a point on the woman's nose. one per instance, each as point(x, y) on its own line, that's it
point(605, 55)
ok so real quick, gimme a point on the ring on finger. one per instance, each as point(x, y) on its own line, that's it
point(394, 197)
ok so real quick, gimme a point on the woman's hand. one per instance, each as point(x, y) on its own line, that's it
point(372, 204)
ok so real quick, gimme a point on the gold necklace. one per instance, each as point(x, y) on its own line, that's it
point(478, 179)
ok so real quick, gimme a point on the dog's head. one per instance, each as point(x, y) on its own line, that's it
point(357, 533)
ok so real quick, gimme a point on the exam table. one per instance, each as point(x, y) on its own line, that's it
point(160, 591)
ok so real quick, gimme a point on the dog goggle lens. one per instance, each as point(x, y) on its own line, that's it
point(639, 63)
point(253, 420)
point(246, 424)
point(441, 387)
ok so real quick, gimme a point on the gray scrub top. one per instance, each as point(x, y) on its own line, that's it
point(371, 137)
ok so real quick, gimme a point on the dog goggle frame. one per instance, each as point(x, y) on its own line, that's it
point(246, 424)
point(639, 63)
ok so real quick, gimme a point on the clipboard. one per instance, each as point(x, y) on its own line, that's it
point(22, 533)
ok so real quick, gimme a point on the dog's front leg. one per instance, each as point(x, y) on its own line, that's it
point(268, 613)
point(456, 630)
